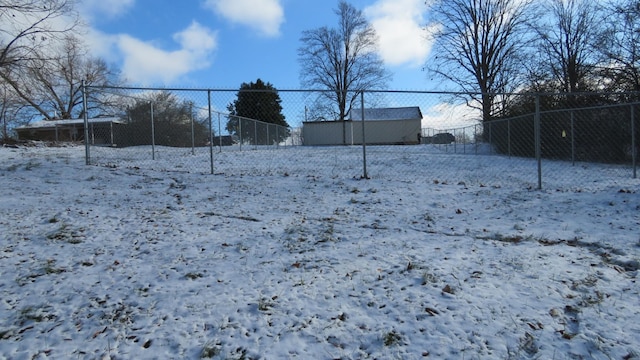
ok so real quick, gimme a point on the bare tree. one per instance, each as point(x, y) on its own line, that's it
point(51, 83)
point(566, 42)
point(620, 45)
point(13, 111)
point(477, 45)
point(29, 25)
point(343, 60)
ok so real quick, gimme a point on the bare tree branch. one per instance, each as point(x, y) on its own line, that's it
point(343, 60)
point(619, 46)
point(52, 83)
point(566, 41)
point(478, 45)
point(28, 25)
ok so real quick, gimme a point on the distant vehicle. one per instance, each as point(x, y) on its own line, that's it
point(441, 138)
point(224, 140)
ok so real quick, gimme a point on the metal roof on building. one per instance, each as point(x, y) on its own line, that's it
point(66, 122)
point(378, 114)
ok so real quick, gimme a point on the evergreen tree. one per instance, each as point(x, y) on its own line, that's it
point(257, 107)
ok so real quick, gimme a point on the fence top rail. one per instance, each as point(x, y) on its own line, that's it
point(141, 88)
point(595, 107)
point(228, 115)
point(250, 119)
point(432, 92)
point(565, 110)
point(498, 120)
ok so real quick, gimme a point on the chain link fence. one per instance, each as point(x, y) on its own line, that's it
point(599, 143)
point(536, 141)
point(177, 130)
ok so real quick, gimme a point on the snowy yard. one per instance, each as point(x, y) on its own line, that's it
point(129, 262)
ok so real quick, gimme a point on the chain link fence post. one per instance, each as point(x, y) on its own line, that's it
point(219, 133)
point(490, 137)
point(193, 132)
point(240, 132)
point(538, 151)
point(509, 137)
point(573, 138)
point(364, 142)
point(153, 134)
point(475, 137)
point(634, 146)
point(465, 141)
point(255, 135)
point(210, 130)
point(86, 124)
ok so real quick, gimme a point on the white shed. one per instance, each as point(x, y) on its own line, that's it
point(383, 126)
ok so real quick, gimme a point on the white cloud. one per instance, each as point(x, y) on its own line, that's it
point(196, 38)
point(144, 63)
point(102, 8)
point(266, 16)
point(443, 116)
point(102, 45)
point(398, 24)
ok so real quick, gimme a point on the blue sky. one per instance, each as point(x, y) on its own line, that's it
point(223, 43)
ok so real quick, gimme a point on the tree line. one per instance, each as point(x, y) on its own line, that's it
point(574, 54)
point(489, 48)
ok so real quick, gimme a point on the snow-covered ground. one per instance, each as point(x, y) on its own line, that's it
point(287, 254)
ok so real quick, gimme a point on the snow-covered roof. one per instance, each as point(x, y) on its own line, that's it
point(53, 123)
point(399, 113)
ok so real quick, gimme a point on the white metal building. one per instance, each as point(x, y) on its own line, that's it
point(382, 126)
